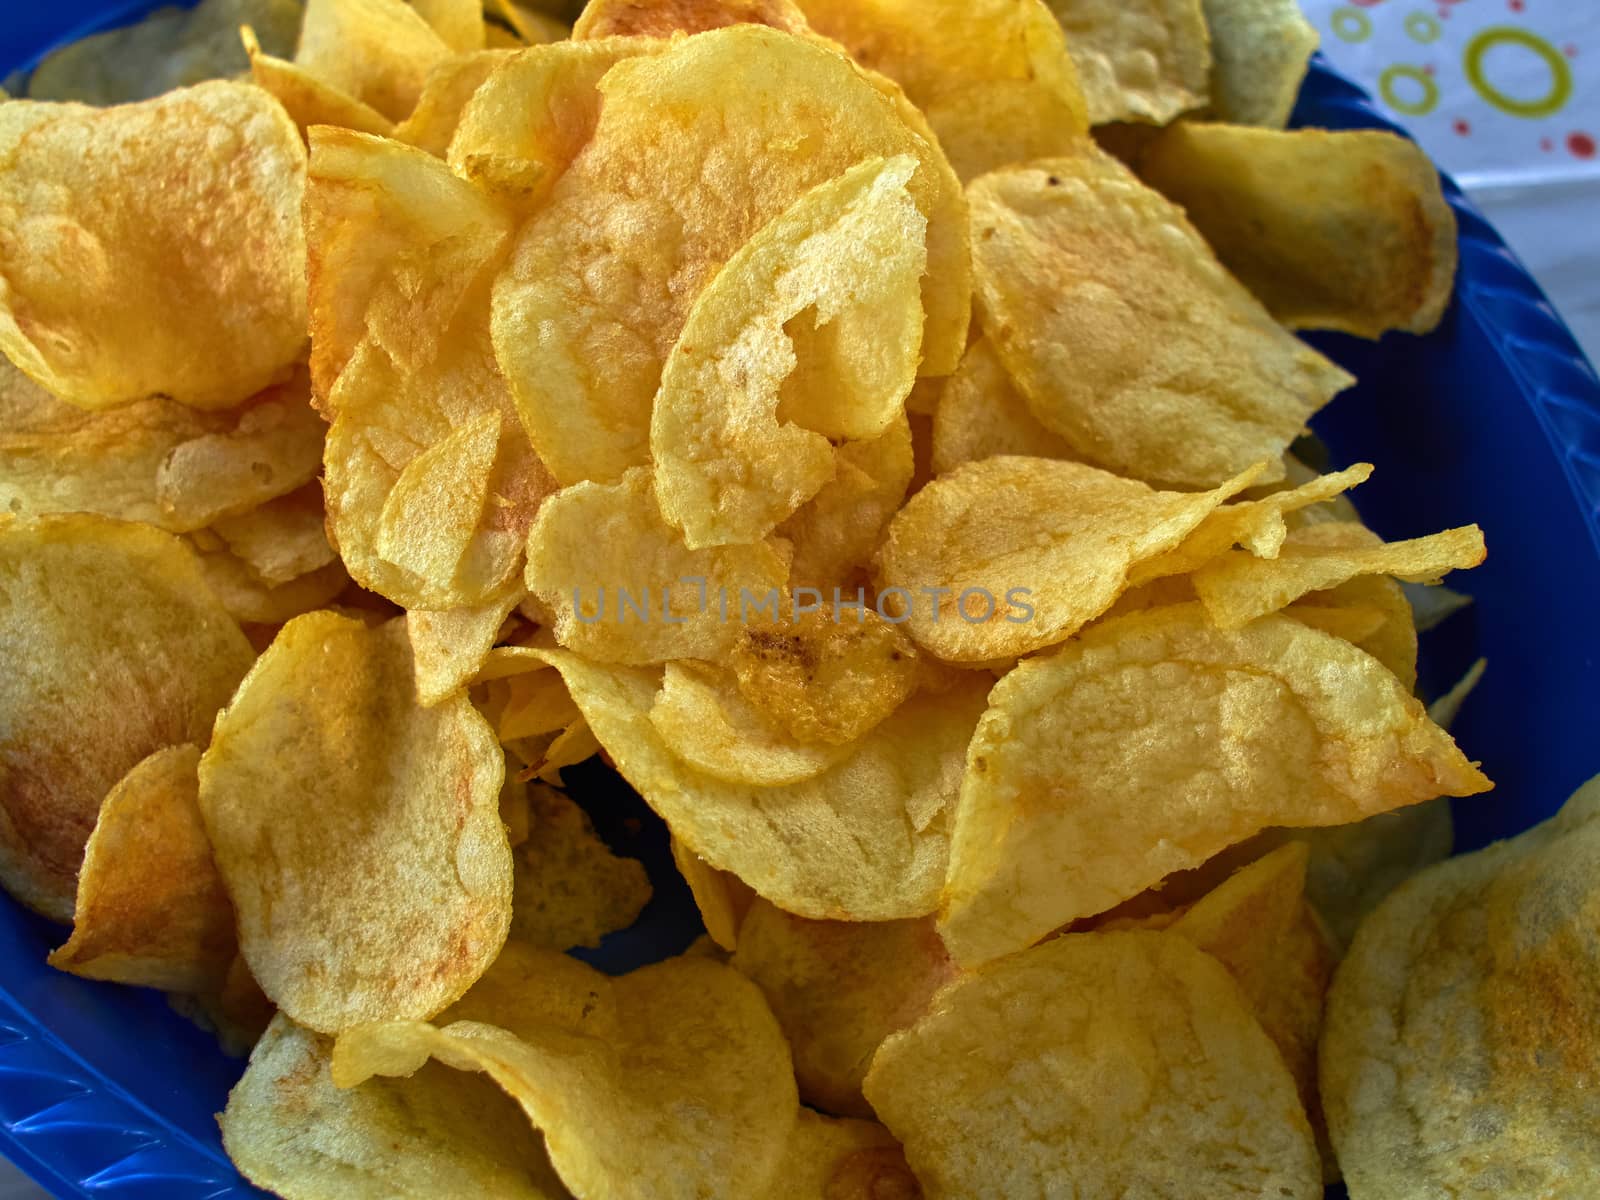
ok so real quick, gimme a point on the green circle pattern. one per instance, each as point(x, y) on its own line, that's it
point(1351, 25)
point(1504, 35)
point(1411, 108)
point(1424, 28)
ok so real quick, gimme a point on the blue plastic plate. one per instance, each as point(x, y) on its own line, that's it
point(1494, 418)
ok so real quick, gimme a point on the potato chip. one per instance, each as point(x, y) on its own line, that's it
point(835, 532)
point(840, 1159)
point(1099, 787)
point(1147, 61)
point(1460, 1053)
point(1444, 711)
point(994, 78)
point(1394, 643)
point(839, 988)
point(308, 99)
point(191, 202)
point(826, 676)
point(115, 648)
point(283, 539)
point(370, 871)
point(237, 1013)
point(151, 908)
point(1355, 623)
point(436, 1133)
point(595, 1062)
point(722, 898)
point(865, 840)
point(1260, 51)
point(604, 274)
point(448, 648)
point(1098, 1064)
point(533, 25)
point(1006, 556)
point(1346, 231)
point(622, 587)
point(378, 52)
point(251, 602)
point(173, 47)
point(568, 888)
point(532, 703)
point(809, 333)
point(1238, 587)
point(445, 95)
point(981, 414)
point(1150, 359)
point(459, 23)
point(631, 18)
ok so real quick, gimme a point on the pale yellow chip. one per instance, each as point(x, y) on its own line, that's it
point(830, 1158)
point(839, 988)
point(432, 1134)
point(283, 539)
point(722, 898)
point(663, 18)
point(1098, 1064)
point(595, 1064)
point(604, 274)
point(568, 888)
point(980, 414)
point(151, 908)
point(370, 871)
point(1460, 1056)
point(1238, 587)
point(431, 482)
point(252, 602)
point(1261, 50)
point(865, 840)
point(378, 52)
point(189, 202)
point(449, 88)
point(114, 648)
point(1006, 556)
point(1144, 61)
point(1444, 711)
point(459, 23)
point(809, 333)
point(308, 99)
point(1149, 358)
point(1155, 740)
point(621, 585)
point(449, 647)
point(994, 77)
point(1346, 231)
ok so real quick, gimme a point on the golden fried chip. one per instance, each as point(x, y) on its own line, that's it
point(568, 888)
point(545, 21)
point(663, 18)
point(1147, 357)
point(151, 908)
point(722, 898)
point(449, 88)
point(433, 1134)
point(191, 202)
point(830, 1158)
point(1260, 51)
point(839, 988)
point(981, 414)
point(252, 602)
point(1238, 587)
point(1346, 231)
point(1460, 1056)
point(994, 77)
point(283, 539)
point(622, 586)
point(1006, 556)
point(449, 647)
point(596, 1062)
point(1144, 61)
point(237, 1013)
point(370, 871)
point(1098, 1064)
point(459, 23)
point(824, 675)
point(1153, 741)
point(604, 274)
point(114, 648)
point(378, 52)
point(809, 333)
point(308, 99)
point(866, 840)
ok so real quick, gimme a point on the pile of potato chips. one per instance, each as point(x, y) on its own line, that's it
point(866, 425)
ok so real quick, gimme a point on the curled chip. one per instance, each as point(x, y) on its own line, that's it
point(1150, 359)
point(151, 908)
point(448, 648)
point(370, 871)
point(431, 482)
point(1155, 740)
point(723, 899)
point(1143, 61)
point(1460, 1056)
point(435, 1133)
point(568, 888)
point(308, 99)
point(1008, 555)
point(449, 88)
point(631, 18)
point(115, 648)
point(191, 202)
point(1098, 1064)
point(1237, 587)
point(839, 988)
point(810, 332)
point(622, 586)
point(1260, 51)
point(866, 840)
point(377, 52)
point(595, 1063)
point(1346, 231)
point(980, 414)
point(993, 76)
point(604, 273)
